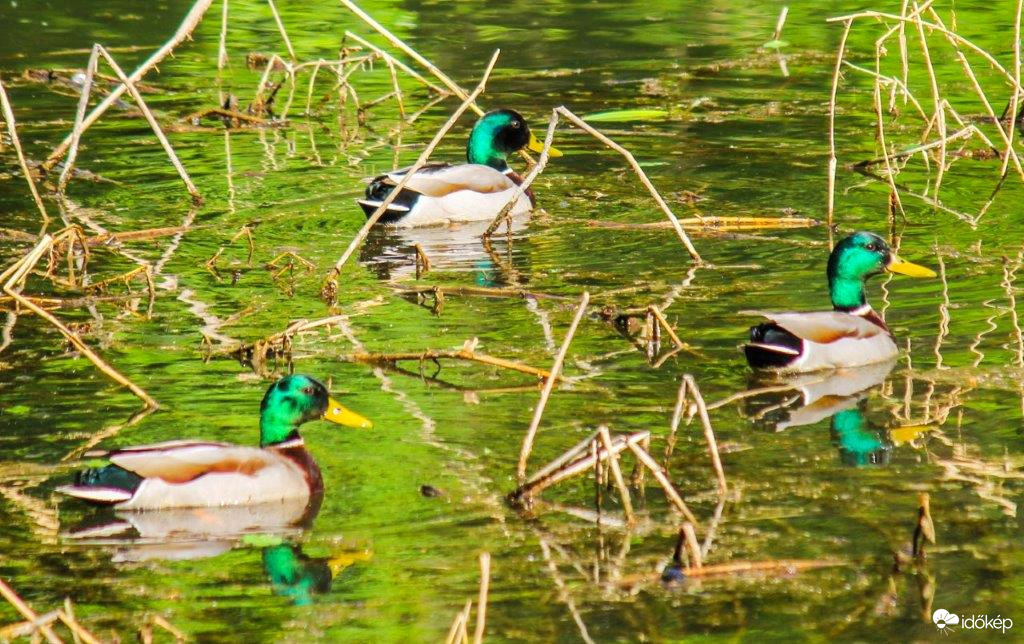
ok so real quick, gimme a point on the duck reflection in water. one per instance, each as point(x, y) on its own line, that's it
point(841, 396)
point(197, 533)
point(391, 252)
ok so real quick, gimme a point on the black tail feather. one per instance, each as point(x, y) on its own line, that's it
point(109, 476)
point(378, 191)
point(769, 333)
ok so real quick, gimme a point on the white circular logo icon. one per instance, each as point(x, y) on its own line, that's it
point(944, 619)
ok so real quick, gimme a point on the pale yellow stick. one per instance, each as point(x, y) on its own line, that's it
point(13, 132)
point(549, 385)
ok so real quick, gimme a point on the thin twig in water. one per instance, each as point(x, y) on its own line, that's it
point(709, 433)
point(8, 113)
point(556, 367)
point(481, 602)
point(627, 504)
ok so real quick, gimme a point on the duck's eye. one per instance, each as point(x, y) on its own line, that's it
point(872, 246)
point(307, 391)
point(516, 124)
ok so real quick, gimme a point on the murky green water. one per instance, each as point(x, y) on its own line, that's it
point(751, 142)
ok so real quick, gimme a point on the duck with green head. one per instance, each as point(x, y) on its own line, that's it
point(850, 335)
point(440, 193)
point(186, 473)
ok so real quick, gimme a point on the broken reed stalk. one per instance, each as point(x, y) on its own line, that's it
point(586, 127)
point(67, 616)
point(538, 484)
point(709, 432)
point(566, 456)
point(79, 126)
point(692, 545)
point(18, 272)
point(8, 113)
point(192, 19)
point(429, 66)
point(924, 531)
point(397, 63)
point(656, 312)
point(420, 162)
point(940, 112)
point(481, 602)
point(222, 47)
point(549, 384)
point(832, 159)
point(282, 31)
point(460, 354)
point(1015, 97)
point(659, 474)
point(613, 459)
point(520, 190)
point(930, 26)
point(26, 611)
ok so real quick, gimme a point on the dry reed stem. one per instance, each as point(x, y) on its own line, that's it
point(481, 291)
point(28, 628)
point(627, 503)
point(692, 546)
point(481, 602)
point(190, 22)
point(969, 72)
point(78, 631)
point(538, 484)
point(429, 66)
point(566, 456)
point(282, 31)
point(934, 27)
point(26, 611)
point(83, 104)
point(880, 124)
point(715, 223)
point(453, 630)
point(460, 354)
point(222, 47)
point(8, 113)
point(521, 189)
point(892, 80)
point(549, 384)
point(709, 432)
point(666, 485)
point(388, 57)
point(17, 272)
point(420, 162)
point(79, 127)
point(683, 237)
point(940, 112)
point(1015, 98)
point(158, 620)
point(665, 325)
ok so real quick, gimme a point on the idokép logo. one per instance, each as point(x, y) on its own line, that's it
point(945, 621)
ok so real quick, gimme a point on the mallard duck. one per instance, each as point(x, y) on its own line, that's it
point(852, 334)
point(183, 474)
point(440, 193)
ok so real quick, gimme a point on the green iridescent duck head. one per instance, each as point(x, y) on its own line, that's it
point(858, 257)
point(297, 399)
point(498, 134)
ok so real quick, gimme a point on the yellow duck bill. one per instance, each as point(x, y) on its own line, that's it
point(903, 267)
point(338, 413)
point(536, 145)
